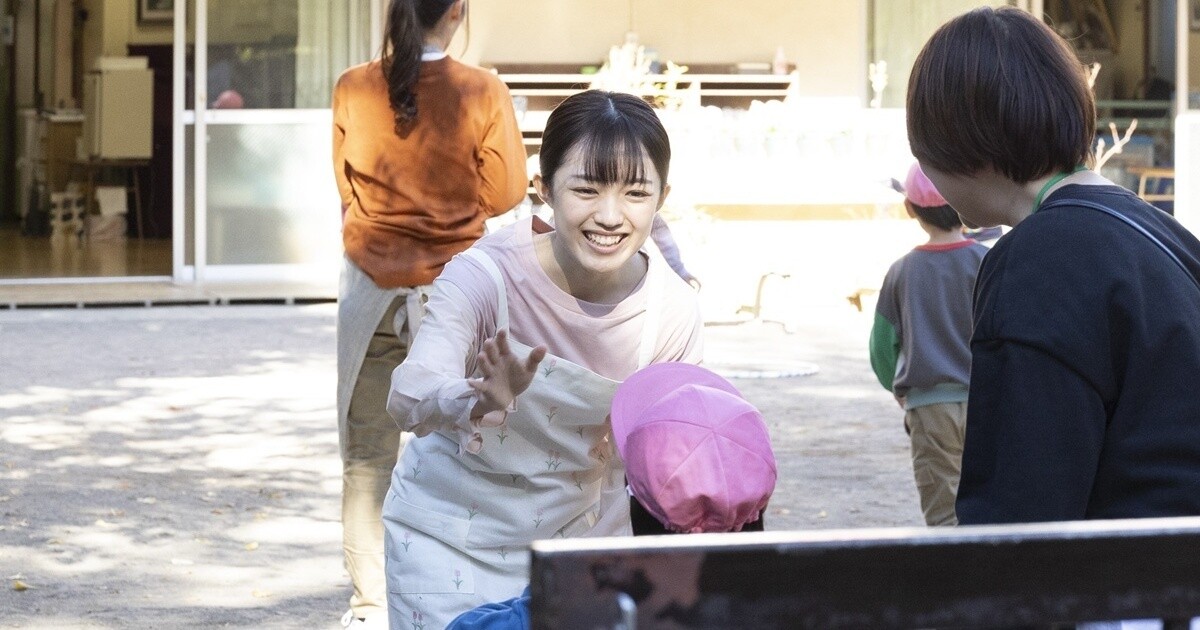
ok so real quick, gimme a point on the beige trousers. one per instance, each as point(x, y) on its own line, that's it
point(370, 446)
point(937, 443)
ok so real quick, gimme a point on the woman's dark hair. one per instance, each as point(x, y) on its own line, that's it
point(407, 21)
point(612, 130)
point(942, 217)
point(998, 88)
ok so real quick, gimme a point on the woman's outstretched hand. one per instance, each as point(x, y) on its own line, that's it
point(504, 376)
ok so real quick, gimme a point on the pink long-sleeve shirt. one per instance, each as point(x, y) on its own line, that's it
point(429, 390)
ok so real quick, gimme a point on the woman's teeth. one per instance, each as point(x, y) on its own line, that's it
point(604, 240)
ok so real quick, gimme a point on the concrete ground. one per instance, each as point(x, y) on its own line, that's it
point(177, 467)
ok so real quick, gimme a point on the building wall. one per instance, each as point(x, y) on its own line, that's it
point(24, 53)
point(1128, 64)
point(1194, 61)
point(121, 28)
point(93, 33)
point(580, 31)
point(827, 39)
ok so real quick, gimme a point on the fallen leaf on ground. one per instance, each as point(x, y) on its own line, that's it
point(18, 585)
point(251, 546)
point(260, 594)
point(822, 514)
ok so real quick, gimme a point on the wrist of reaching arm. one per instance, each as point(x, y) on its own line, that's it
point(483, 406)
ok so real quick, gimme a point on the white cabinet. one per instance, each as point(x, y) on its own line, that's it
point(118, 109)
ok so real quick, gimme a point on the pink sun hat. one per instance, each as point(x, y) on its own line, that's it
point(697, 455)
point(919, 190)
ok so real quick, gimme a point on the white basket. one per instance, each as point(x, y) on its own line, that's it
point(111, 200)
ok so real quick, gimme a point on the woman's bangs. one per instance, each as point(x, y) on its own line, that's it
point(615, 157)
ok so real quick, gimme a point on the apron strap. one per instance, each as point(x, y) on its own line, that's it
point(493, 270)
point(654, 284)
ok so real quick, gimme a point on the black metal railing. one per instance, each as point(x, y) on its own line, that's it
point(1023, 576)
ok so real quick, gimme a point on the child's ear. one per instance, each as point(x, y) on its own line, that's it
point(908, 207)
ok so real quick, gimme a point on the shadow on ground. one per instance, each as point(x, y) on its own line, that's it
point(178, 467)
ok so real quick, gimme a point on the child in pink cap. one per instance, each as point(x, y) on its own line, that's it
point(697, 459)
point(920, 343)
point(697, 455)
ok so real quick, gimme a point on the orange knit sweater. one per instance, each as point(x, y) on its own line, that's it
point(411, 203)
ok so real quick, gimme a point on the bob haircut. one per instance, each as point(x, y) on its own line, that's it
point(613, 131)
point(998, 88)
point(942, 217)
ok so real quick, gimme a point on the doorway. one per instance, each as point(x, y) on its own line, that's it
point(80, 199)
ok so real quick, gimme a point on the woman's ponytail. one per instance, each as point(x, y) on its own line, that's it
point(407, 22)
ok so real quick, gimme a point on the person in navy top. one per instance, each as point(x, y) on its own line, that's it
point(1086, 343)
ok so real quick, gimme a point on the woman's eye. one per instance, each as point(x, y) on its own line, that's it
point(584, 191)
point(640, 194)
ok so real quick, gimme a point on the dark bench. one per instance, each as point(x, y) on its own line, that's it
point(1026, 576)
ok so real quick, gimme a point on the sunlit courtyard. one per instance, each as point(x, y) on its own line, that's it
point(179, 467)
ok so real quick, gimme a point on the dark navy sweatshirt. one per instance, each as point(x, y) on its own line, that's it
point(1085, 377)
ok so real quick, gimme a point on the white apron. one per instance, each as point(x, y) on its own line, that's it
point(361, 304)
point(458, 527)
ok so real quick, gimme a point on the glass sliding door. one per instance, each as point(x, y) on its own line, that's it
point(267, 207)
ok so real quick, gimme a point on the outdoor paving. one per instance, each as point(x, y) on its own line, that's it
point(177, 467)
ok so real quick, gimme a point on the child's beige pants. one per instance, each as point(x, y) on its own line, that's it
point(937, 443)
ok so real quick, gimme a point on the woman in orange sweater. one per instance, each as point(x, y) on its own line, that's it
point(425, 148)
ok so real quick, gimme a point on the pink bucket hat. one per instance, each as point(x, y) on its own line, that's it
point(919, 190)
point(697, 455)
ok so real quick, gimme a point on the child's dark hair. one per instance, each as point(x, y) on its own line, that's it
point(407, 21)
point(644, 524)
point(613, 130)
point(942, 217)
point(997, 88)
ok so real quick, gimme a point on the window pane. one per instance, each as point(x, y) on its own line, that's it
point(281, 54)
point(271, 194)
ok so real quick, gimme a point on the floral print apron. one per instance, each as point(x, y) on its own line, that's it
point(458, 527)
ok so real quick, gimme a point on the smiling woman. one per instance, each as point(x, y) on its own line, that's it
point(509, 381)
point(604, 163)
